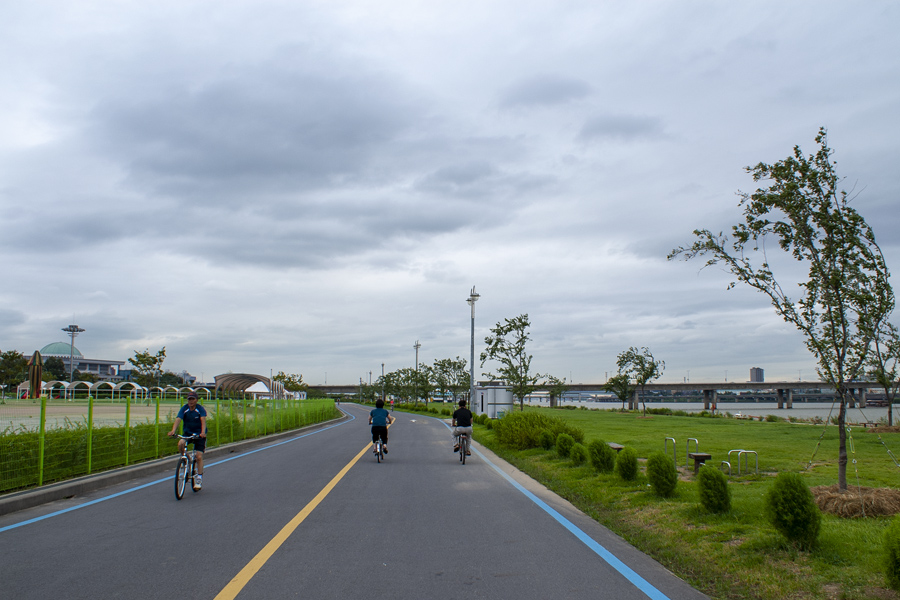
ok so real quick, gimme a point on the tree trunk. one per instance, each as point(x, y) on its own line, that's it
point(842, 441)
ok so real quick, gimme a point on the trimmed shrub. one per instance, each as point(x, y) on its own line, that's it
point(546, 440)
point(662, 474)
point(713, 487)
point(627, 464)
point(579, 454)
point(891, 558)
point(489, 423)
point(603, 458)
point(564, 443)
point(792, 510)
point(522, 430)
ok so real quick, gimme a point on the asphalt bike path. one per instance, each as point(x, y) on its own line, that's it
point(318, 517)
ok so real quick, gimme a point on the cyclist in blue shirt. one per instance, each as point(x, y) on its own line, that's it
point(194, 417)
point(379, 419)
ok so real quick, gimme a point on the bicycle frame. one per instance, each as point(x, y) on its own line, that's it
point(186, 465)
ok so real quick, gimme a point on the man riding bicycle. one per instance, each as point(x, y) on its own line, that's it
point(193, 416)
point(462, 423)
point(379, 419)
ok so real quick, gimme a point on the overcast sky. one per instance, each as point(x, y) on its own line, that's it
point(312, 187)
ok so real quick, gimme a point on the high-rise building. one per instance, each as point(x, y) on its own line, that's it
point(757, 375)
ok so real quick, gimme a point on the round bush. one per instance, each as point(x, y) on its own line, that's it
point(564, 443)
point(603, 458)
point(627, 464)
point(713, 487)
point(662, 474)
point(579, 454)
point(792, 510)
point(546, 439)
point(489, 423)
point(891, 558)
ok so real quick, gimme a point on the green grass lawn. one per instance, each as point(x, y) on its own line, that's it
point(738, 554)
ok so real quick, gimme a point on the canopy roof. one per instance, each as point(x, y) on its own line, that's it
point(239, 382)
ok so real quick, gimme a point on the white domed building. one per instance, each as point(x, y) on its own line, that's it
point(106, 370)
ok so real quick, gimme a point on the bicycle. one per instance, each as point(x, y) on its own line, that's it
point(462, 440)
point(379, 450)
point(187, 466)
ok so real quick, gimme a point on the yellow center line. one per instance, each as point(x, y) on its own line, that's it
point(240, 580)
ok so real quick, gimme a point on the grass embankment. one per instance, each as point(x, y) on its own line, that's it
point(737, 554)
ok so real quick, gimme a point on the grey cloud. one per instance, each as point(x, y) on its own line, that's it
point(260, 130)
point(544, 90)
point(622, 127)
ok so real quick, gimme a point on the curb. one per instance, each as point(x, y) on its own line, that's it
point(16, 501)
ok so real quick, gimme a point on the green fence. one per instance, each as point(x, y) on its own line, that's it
point(47, 440)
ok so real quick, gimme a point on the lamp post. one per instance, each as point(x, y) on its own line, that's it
point(72, 330)
point(473, 297)
point(417, 345)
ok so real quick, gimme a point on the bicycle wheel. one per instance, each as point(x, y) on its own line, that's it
point(463, 448)
point(193, 473)
point(378, 451)
point(180, 477)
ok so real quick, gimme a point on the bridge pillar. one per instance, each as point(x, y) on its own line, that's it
point(635, 403)
point(780, 398)
point(709, 399)
point(790, 398)
point(862, 397)
point(851, 400)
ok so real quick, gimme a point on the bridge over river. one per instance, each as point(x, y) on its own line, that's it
point(785, 393)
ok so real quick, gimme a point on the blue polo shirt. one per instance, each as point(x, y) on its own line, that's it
point(379, 417)
point(191, 419)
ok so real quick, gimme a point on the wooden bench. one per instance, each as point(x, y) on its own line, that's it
point(699, 459)
point(614, 446)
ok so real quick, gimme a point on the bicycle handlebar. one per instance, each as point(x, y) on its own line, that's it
point(193, 436)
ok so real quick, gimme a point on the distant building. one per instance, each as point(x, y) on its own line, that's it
point(757, 375)
point(106, 370)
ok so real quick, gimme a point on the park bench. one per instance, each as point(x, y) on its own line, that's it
point(699, 459)
point(615, 446)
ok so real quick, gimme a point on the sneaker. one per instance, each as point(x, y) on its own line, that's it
point(456, 448)
point(198, 481)
point(468, 454)
point(384, 449)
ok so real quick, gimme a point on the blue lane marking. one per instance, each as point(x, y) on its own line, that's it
point(165, 479)
point(610, 558)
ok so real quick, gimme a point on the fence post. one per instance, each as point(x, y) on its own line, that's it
point(90, 431)
point(41, 440)
point(157, 428)
point(127, 426)
point(218, 418)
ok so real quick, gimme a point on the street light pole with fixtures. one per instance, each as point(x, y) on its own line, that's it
point(72, 330)
point(473, 297)
point(417, 345)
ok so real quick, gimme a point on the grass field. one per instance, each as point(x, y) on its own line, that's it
point(738, 554)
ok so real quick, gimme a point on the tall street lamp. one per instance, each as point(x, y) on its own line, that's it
point(72, 330)
point(473, 297)
point(417, 345)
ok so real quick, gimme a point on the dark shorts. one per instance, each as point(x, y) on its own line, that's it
point(379, 431)
point(199, 444)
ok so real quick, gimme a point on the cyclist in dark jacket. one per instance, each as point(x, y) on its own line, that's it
point(462, 423)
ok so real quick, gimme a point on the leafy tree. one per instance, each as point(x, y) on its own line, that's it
point(54, 369)
point(556, 388)
point(292, 382)
point(86, 376)
point(449, 376)
point(13, 369)
point(846, 296)
point(639, 364)
point(506, 344)
point(170, 378)
point(148, 366)
point(620, 385)
point(423, 384)
point(883, 364)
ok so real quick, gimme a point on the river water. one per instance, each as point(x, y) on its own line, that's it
point(806, 411)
